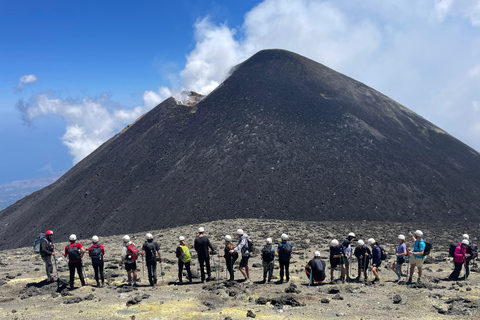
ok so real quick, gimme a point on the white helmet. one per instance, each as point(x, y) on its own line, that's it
point(284, 236)
point(94, 239)
point(334, 243)
point(401, 237)
point(419, 233)
point(201, 230)
point(351, 234)
point(317, 254)
point(371, 241)
point(149, 236)
point(73, 237)
point(465, 241)
point(360, 243)
point(269, 241)
point(181, 238)
point(126, 238)
point(228, 238)
point(465, 236)
point(240, 231)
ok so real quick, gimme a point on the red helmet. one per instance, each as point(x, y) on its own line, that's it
point(49, 233)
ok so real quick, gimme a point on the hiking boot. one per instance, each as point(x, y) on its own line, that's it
point(129, 283)
point(376, 280)
point(135, 284)
point(409, 280)
point(209, 278)
point(103, 284)
point(180, 282)
point(98, 284)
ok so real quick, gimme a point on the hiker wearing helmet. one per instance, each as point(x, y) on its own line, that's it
point(96, 252)
point(230, 258)
point(335, 256)
point(472, 252)
point(401, 254)
point(151, 250)
point(417, 255)
point(201, 245)
point(284, 251)
point(363, 254)
point(268, 259)
point(129, 257)
point(47, 250)
point(347, 253)
point(459, 259)
point(315, 269)
point(75, 252)
point(184, 256)
point(243, 246)
point(376, 258)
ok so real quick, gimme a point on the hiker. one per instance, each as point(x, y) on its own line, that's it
point(417, 255)
point(151, 250)
point(284, 251)
point(316, 268)
point(243, 247)
point(230, 258)
point(201, 245)
point(376, 258)
point(459, 259)
point(96, 252)
point(335, 256)
point(129, 257)
point(347, 253)
point(362, 253)
point(268, 259)
point(472, 252)
point(401, 255)
point(184, 256)
point(47, 250)
point(75, 252)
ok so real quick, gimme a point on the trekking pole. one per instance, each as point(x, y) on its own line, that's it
point(56, 268)
point(408, 266)
point(311, 275)
point(231, 269)
point(143, 268)
point(84, 273)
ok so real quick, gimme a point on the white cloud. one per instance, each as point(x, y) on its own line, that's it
point(29, 78)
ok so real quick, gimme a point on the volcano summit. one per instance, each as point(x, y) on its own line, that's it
point(283, 137)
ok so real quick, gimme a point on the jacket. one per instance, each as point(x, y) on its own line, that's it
point(459, 252)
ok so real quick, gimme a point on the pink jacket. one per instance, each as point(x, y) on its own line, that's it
point(459, 252)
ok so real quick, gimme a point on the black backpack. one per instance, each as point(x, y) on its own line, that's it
point(383, 253)
point(151, 253)
point(286, 251)
point(451, 250)
point(96, 253)
point(474, 248)
point(73, 253)
point(428, 248)
point(268, 254)
point(251, 246)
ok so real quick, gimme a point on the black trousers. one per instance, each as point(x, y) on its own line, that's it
point(284, 266)
point(98, 268)
point(467, 266)
point(78, 267)
point(229, 262)
point(180, 270)
point(204, 263)
point(456, 272)
point(152, 272)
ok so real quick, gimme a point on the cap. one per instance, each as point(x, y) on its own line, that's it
point(228, 238)
point(317, 254)
point(465, 236)
point(284, 236)
point(351, 234)
point(149, 236)
point(371, 241)
point(401, 237)
point(269, 241)
point(181, 238)
point(201, 229)
point(126, 238)
point(239, 231)
point(360, 243)
point(419, 233)
point(94, 239)
point(49, 233)
point(334, 243)
point(465, 241)
point(72, 237)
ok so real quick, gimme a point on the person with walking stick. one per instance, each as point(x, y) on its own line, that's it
point(47, 250)
point(75, 252)
point(151, 250)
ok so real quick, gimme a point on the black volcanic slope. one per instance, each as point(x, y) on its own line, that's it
point(283, 137)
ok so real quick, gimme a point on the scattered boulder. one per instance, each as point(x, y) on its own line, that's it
point(325, 300)
point(73, 300)
point(292, 289)
point(397, 299)
point(337, 297)
point(250, 314)
point(334, 290)
point(261, 300)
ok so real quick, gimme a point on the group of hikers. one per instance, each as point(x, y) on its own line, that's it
point(341, 254)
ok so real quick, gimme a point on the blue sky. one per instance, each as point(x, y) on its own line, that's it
point(72, 74)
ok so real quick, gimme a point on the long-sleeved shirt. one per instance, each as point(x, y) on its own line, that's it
point(201, 245)
point(46, 248)
point(459, 252)
point(243, 245)
point(376, 255)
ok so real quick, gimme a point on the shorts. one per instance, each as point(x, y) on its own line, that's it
point(378, 265)
point(416, 261)
point(131, 266)
point(334, 262)
point(346, 262)
point(400, 260)
point(244, 262)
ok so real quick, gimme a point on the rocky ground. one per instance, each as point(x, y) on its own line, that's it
point(25, 294)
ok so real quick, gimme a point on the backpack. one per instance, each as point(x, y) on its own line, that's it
point(151, 253)
point(383, 253)
point(186, 256)
point(73, 252)
point(37, 242)
point(286, 251)
point(96, 253)
point(428, 248)
point(451, 251)
point(250, 246)
point(268, 254)
point(474, 250)
point(132, 251)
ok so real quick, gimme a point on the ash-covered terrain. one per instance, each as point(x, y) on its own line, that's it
point(24, 293)
point(283, 137)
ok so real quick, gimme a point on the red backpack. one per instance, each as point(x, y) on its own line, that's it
point(133, 251)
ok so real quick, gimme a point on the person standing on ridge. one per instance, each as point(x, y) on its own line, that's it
point(347, 253)
point(184, 256)
point(75, 252)
point(284, 251)
point(201, 245)
point(417, 253)
point(129, 256)
point(315, 269)
point(376, 258)
point(472, 252)
point(151, 250)
point(47, 250)
point(362, 253)
point(243, 247)
point(268, 260)
point(230, 258)
point(459, 258)
point(96, 252)
point(335, 256)
point(401, 254)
